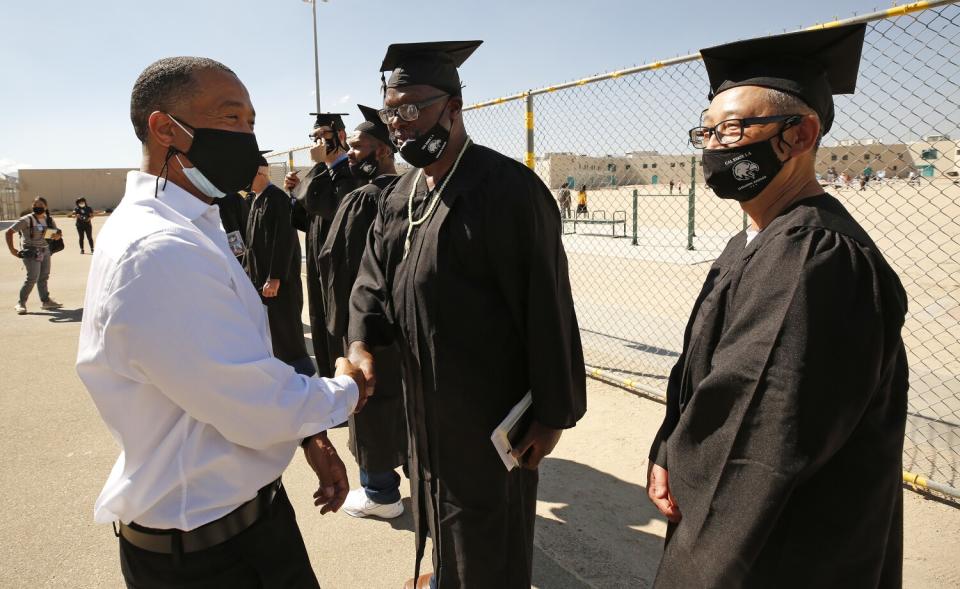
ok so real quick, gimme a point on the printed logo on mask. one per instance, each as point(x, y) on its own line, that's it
point(434, 145)
point(745, 170)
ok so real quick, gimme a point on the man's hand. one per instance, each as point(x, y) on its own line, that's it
point(658, 490)
point(360, 356)
point(539, 441)
point(291, 181)
point(271, 287)
point(344, 367)
point(331, 474)
point(261, 180)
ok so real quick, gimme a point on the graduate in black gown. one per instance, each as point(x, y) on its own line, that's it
point(318, 195)
point(378, 434)
point(273, 265)
point(474, 289)
point(779, 461)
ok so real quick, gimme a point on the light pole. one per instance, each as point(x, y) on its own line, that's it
point(316, 54)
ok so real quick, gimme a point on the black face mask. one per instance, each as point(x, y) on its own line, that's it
point(365, 169)
point(741, 173)
point(38, 210)
point(227, 159)
point(427, 148)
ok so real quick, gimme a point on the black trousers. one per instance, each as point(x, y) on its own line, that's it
point(268, 554)
point(85, 229)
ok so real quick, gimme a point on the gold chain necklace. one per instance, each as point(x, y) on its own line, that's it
point(433, 204)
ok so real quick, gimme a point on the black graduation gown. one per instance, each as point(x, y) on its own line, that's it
point(317, 198)
point(273, 251)
point(482, 312)
point(234, 210)
point(378, 434)
point(786, 413)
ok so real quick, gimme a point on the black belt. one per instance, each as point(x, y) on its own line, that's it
point(206, 536)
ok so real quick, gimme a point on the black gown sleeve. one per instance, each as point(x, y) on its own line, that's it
point(797, 367)
point(369, 309)
point(277, 221)
point(299, 218)
point(523, 240)
point(658, 449)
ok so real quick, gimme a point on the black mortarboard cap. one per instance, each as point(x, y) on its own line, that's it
point(434, 64)
point(329, 119)
point(373, 126)
point(812, 65)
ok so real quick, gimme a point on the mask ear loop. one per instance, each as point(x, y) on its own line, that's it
point(171, 151)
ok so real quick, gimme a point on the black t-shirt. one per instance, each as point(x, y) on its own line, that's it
point(83, 214)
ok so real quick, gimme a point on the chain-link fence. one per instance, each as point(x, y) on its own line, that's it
point(641, 246)
point(9, 198)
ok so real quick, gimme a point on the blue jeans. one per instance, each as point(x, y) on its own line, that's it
point(381, 487)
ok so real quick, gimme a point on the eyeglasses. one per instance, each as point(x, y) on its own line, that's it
point(314, 137)
point(731, 130)
point(407, 112)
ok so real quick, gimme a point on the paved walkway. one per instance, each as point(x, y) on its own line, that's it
point(594, 526)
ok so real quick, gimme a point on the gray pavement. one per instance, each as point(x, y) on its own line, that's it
point(594, 527)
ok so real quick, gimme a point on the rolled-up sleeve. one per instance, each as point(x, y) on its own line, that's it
point(175, 320)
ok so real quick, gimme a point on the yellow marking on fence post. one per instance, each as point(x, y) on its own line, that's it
point(656, 65)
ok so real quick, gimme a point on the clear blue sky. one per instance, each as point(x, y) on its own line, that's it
point(68, 67)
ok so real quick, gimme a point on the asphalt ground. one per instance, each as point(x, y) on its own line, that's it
point(594, 526)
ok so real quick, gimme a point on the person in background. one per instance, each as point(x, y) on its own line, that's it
point(563, 199)
point(83, 214)
point(582, 200)
point(672, 184)
point(317, 197)
point(234, 209)
point(35, 254)
point(272, 262)
point(378, 435)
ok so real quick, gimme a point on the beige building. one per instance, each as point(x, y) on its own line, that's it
point(103, 188)
point(935, 156)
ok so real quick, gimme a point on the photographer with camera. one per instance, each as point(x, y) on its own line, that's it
point(83, 214)
point(34, 230)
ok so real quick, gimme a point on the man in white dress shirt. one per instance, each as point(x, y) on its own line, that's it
point(175, 352)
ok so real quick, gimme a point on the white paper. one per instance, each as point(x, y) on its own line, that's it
point(501, 434)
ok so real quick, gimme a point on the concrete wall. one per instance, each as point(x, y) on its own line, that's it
point(103, 188)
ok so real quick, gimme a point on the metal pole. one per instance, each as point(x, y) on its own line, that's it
point(531, 160)
point(316, 54)
point(634, 242)
point(691, 203)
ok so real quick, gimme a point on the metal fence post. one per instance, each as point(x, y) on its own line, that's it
point(692, 203)
point(634, 242)
point(531, 160)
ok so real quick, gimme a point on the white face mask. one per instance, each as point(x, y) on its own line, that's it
point(200, 181)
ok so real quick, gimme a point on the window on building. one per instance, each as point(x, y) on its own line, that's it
point(845, 157)
point(683, 164)
point(644, 166)
point(653, 165)
point(894, 168)
point(930, 154)
point(866, 157)
point(627, 166)
point(833, 158)
point(900, 157)
point(673, 165)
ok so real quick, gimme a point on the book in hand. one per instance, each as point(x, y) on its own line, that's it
point(510, 431)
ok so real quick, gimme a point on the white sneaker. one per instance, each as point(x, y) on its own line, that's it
point(359, 505)
point(20, 309)
point(50, 304)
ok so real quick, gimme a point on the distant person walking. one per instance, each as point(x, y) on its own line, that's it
point(563, 199)
point(35, 254)
point(83, 214)
point(671, 186)
point(582, 201)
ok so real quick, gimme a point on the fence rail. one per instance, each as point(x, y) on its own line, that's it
point(892, 158)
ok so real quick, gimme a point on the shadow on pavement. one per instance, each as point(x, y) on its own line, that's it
point(598, 530)
point(404, 521)
point(63, 315)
